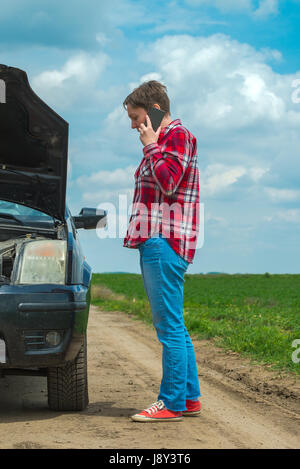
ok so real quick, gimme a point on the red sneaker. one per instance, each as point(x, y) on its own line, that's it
point(157, 412)
point(193, 408)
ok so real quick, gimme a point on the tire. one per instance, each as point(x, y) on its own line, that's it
point(68, 385)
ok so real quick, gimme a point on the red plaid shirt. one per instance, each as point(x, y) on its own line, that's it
point(166, 196)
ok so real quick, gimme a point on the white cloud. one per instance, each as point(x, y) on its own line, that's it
point(256, 92)
point(120, 177)
point(218, 82)
point(212, 219)
point(282, 195)
point(266, 8)
point(217, 177)
point(73, 82)
point(107, 186)
point(224, 5)
point(102, 39)
point(147, 77)
point(288, 216)
point(108, 195)
point(240, 110)
point(257, 173)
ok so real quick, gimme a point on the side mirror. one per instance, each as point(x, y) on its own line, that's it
point(90, 218)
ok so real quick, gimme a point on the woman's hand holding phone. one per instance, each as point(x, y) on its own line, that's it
point(147, 134)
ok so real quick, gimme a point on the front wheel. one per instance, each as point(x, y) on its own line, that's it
point(68, 385)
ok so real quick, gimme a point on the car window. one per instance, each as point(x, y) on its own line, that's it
point(21, 210)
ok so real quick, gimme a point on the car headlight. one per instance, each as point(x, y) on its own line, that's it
point(43, 262)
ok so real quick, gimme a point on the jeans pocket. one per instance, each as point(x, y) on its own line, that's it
point(150, 242)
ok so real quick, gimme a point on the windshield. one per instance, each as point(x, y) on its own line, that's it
point(20, 211)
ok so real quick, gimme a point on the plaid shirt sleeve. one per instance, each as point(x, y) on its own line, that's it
point(168, 168)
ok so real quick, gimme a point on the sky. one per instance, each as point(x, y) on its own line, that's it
point(232, 72)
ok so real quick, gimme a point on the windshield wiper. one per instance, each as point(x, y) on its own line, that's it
point(11, 217)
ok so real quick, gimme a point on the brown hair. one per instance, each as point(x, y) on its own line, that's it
point(149, 93)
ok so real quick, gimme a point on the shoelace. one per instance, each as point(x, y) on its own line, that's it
point(159, 405)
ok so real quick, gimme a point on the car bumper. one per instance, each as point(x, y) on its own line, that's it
point(28, 313)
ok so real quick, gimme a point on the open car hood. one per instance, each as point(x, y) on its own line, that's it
point(33, 147)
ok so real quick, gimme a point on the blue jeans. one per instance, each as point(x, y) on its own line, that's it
point(163, 276)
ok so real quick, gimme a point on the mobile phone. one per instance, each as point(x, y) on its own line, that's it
point(156, 116)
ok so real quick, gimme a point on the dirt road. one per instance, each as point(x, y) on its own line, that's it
point(244, 406)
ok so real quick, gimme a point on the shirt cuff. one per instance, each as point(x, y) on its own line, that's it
point(150, 149)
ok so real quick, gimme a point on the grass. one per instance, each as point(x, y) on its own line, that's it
point(254, 315)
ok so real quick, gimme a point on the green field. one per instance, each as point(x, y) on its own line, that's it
point(254, 315)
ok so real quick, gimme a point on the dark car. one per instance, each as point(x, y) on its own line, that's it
point(44, 278)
